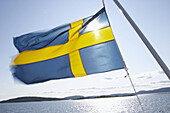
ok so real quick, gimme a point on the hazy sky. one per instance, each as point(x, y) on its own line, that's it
point(18, 17)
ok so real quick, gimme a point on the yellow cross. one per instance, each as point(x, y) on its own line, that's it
point(76, 64)
point(75, 43)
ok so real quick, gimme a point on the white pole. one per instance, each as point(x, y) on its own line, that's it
point(143, 38)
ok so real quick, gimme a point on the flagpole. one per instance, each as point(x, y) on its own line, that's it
point(103, 3)
point(145, 41)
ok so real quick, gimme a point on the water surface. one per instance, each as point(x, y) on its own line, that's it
point(157, 103)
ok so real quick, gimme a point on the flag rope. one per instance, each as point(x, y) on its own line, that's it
point(126, 69)
point(134, 88)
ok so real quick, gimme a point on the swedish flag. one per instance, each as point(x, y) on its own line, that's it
point(78, 49)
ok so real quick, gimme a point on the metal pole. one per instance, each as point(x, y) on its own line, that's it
point(143, 38)
point(103, 3)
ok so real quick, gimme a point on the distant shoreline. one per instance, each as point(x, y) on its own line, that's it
point(39, 99)
point(79, 97)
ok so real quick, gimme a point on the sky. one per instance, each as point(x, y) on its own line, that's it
point(152, 17)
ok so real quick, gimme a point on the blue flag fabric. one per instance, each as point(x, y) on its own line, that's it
point(77, 49)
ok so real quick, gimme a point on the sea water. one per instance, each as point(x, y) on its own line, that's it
point(153, 103)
